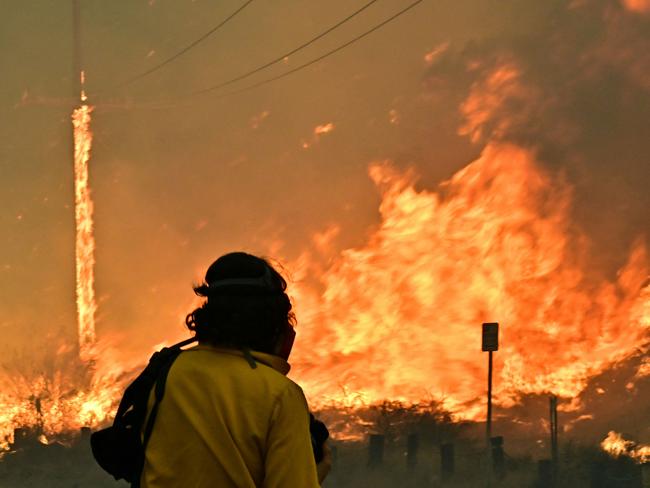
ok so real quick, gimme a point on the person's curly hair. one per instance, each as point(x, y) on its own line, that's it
point(246, 304)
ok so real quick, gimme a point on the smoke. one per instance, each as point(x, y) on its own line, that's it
point(575, 86)
point(568, 80)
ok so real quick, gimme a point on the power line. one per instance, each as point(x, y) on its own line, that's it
point(319, 58)
point(290, 53)
point(185, 49)
point(189, 96)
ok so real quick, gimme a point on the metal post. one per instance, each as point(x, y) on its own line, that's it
point(645, 475)
point(488, 427)
point(498, 457)
point(488, 424)
point(412, 445)
point(553, 419)
point(447, 463)
point(375, 450)
point(544, 473)
point(20, 438)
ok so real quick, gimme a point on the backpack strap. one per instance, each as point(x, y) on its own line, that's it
point(163, 361)
point(157, 363)
point(159, 393)
point(249, 357)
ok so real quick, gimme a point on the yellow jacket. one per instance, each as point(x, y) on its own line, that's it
point(222, 424)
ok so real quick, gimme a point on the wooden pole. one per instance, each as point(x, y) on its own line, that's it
point(412, 445)
point(77, 57)
point(447, 462)
point(376, 450)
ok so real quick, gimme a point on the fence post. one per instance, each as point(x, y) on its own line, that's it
point(412, 446)
point(545, 473)
point(376, 450)
point(498, 457)
point(447, 461)
point(22, 438)
point(645, 475)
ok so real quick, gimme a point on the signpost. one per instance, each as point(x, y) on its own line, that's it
point(490, 343)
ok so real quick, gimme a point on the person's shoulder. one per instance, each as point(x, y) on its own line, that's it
point(281, 383)
point(212, 365)
point(290, 391)
point(274, 371)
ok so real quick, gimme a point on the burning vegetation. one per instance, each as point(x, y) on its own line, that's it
point(617, 446)
point(389, 330)
point(398, 318)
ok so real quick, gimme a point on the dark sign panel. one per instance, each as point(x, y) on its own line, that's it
point(490, 336)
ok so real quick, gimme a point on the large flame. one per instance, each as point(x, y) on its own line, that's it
point(399, 318)
point(85, 241)
point(617, 446)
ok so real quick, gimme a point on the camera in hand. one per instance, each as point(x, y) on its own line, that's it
point(319, 434)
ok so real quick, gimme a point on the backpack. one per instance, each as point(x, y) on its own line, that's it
point(119, 449)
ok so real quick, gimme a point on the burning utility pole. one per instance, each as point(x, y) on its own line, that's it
point(84, 238)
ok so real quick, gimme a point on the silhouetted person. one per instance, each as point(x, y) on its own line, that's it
point(229, 416)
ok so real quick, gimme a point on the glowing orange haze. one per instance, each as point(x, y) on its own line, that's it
point(399, 317)
point(640, 6)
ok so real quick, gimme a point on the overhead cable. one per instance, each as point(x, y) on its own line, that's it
point(290, 53)
point(178, 54)
point(317, 59)
point(190, 96)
